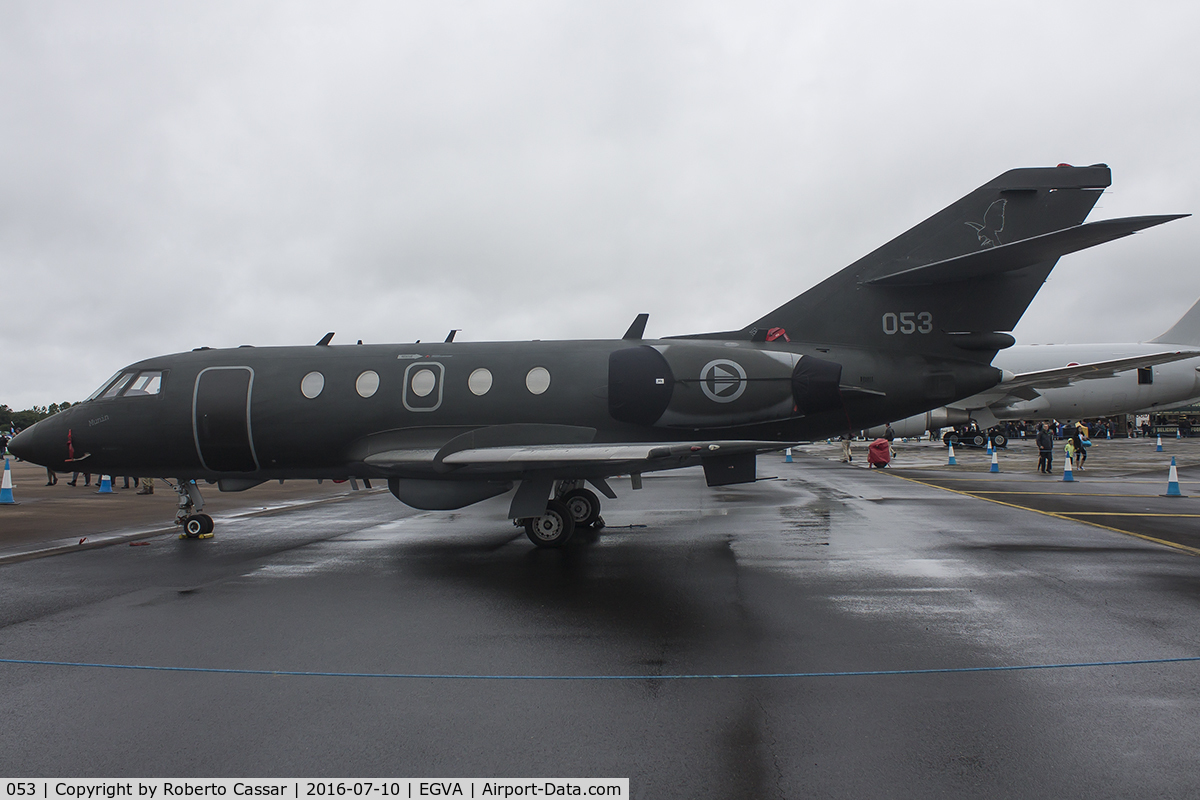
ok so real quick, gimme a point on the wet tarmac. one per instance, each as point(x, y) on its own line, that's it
point(368, 639)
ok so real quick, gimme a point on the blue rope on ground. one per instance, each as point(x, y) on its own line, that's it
point(731, 676)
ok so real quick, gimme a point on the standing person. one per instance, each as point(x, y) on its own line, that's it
point(1075, 443)
point(889, 433)
point(1045, 444)
point(87, 479)
point(51, 477)
point(846, 456)
point(1084, 442)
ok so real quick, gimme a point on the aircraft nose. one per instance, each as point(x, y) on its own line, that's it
point(21, 445)
point(29, 445)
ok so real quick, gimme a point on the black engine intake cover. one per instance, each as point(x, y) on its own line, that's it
point(815, 385)
point(640, 385)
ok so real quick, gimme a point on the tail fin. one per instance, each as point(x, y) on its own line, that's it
point(1185, 331)
point(955, 284)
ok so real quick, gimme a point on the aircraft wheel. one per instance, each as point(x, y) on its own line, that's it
point(999, 440)
point(194, 526)
point(207, 521)
point(584, 506)
point(978, 440)
point(551, 529)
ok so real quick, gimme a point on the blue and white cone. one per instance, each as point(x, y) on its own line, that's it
point(995, 461)
point(989, 447)
point(1178, 435)
point(951, 462)
point(787, 456)
point(1159, 447)
point(6, 495)
point(1173, 482)
point(1068, 475)
point(105, 485)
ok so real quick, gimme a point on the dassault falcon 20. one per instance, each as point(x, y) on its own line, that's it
point(898, 332)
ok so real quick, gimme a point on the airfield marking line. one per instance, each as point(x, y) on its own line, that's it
point(1062, 494)
point(1124, 514)
point(678, 677)
point(1090, 478)
point(1173, 545)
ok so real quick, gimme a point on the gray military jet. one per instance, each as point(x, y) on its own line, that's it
point(912, 326)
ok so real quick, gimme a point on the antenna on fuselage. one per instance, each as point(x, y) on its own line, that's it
point(450, 335)
point(325, 340)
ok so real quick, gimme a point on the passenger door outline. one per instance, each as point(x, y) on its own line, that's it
point(225, 442)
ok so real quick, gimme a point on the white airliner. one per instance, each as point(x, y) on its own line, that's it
point(1075, 381)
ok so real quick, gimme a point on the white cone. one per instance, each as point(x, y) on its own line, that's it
point(6, 494)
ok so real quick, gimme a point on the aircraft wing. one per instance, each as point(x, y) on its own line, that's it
point(1025, 385)
point(609, 458)
point(1065, 376)
point(548, 454)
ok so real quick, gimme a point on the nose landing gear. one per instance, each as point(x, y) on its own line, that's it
point(195, 524)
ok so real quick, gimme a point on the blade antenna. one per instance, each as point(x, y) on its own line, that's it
point(637, 328)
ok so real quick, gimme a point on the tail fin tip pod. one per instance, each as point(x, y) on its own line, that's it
point(954, 283)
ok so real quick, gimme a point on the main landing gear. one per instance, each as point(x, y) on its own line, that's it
point(195, 525)
point(572, 508)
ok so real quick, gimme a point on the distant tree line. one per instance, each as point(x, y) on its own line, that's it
point(23, 419)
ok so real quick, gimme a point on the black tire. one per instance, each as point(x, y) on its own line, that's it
point(207, 521)
point(999, 440)
point(584, 506)
point(193, 526)
point(552, 529)
point(979, 440)
point(950, 438)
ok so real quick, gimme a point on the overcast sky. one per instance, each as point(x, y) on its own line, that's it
point(186, 174)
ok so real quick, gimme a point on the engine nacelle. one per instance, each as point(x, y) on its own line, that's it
point(915, 426)
point(698, 385)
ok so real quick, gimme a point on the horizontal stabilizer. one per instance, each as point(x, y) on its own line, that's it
point(1020, 254)
point(1064, 176)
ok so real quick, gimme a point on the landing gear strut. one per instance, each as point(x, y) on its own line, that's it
point(195, 525)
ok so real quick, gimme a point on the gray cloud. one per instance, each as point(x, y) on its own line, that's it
point(221, 174)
